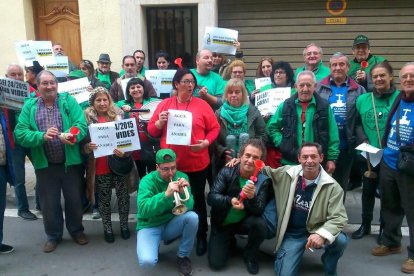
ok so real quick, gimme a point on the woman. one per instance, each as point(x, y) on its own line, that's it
point(220, 64)
point(136, 98)
point(194, 158)
point(162, 59)
point(237, 69)
point(103, 110)
point(370, 129)
point(237, 117)
point(87, 67)
point(264, 68)
point(31, 73)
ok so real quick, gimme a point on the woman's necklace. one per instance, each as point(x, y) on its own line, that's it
point(188, 102)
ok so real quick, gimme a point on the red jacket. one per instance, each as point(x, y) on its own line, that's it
point(205, 127)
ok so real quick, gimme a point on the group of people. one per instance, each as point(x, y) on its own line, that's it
point(308, 144)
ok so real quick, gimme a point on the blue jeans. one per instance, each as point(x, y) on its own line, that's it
point(3, 188)
point(148, 239)
point(290, 253)
point(19, 154)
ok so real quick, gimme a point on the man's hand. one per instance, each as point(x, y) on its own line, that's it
point(182, 183)
point(200, 145)
point(315, 241)
point(361, 76)
point(249, 189)
point(65, 138)
point(173, 186)
point(237, 204)
point(233, 162)
point(126, 108)
point(50, 133)
point(202, 92)
point(330, 167)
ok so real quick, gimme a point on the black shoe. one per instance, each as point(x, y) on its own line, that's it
point(184, 266)
point(109, 237)
point(380, 236)
point(201, 247)
point(125, 234)
point(5, 249)
point(252, 265)
point(26, 215)
point(364, 229)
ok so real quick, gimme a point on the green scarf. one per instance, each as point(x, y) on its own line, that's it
point(236, 118)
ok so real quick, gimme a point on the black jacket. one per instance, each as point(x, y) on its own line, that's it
point(226, 186)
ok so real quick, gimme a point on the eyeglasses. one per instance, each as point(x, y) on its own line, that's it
point(280, 72)
point(408, 75)
point(167, 169)
point(187, 82)
point(312, 53)
point(238, 72)
point(46, 83)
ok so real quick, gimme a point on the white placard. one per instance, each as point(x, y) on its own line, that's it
point(42, 51)
point(220, 40)
point(76, 88)
point(268, 101)
point(375, 154)
point(179, 126)
point(124, 83)
point(25, 53)
point(13, 93)
point(260, 82)
point(121, 134)
point(61, 68)
point(161, 80)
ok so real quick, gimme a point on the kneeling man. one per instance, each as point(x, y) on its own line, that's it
point(310, 210)
point(155, 219)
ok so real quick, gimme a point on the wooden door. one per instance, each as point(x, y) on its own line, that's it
point(58, 21)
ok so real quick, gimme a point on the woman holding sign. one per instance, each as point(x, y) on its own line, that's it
point(137, 97)
point(187, 125)
point(103, 110)
point(239, 120)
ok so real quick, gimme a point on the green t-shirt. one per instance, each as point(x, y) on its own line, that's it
point(105, 79)
point(234, 215)
point(213, 81)
point(320, 72)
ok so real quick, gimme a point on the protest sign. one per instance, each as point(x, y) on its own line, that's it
point(220, 40)
point(124, 83)
point(268, 100)
point(179, 127)
point(28, 51)
point(44, 52)
point(76, 88)
point(260, 82)
point(13, 93)
point(161, 80)
point(25, 53)
point(122, 135)
point(61, 68)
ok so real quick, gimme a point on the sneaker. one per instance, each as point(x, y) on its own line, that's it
point(184, 266)
point(5, 249)
point(408, 266)
point(96, 214)
point(26, 215)
point(383, 250)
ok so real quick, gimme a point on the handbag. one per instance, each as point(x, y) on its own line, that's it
point(120, 165)
point(405, 160)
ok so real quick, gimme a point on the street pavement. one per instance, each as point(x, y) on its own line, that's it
point(119, 258)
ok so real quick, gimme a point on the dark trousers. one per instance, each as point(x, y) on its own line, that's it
point(222, 239)
point(343, 168)
point(397, 199)
point(144, 167)
point(369, 188)
point(198, 186)
point(52, 181)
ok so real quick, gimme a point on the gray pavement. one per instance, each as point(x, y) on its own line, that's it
point(119, 258)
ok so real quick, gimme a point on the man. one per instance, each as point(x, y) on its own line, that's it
point(130, 67)
point(397, 185)
point(155, 218)
point(312, 54)
point(103, 73)
point(58, 51)
point(6, 175)
point(211, 84)
point(231, 215)
point(342, 92)
point(305, 117)
point(311, 212)
point(19, 154)
point(361, 52)
point(139, 56)
point(44, 125)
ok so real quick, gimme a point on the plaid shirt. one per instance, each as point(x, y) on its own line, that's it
point(46, 118)
point(3, 159)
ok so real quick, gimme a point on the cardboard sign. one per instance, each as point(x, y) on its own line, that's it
point(61, 68)
point(121, 134)
point(220, 40)
point(13, 93)
point(161, 80)
point(268, 101)
point(260, 82)
point(76, 88)
point(179, 127)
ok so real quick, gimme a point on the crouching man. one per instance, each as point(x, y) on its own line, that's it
point(156, 220)
point(231, 215)
point(310, 210)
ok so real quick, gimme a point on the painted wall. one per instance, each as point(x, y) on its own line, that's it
point(16, 24)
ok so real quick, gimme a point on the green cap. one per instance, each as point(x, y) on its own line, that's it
point(76, 74)
point(361, 39)
point(165, 156)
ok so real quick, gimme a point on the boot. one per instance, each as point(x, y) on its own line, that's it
point(364, 229)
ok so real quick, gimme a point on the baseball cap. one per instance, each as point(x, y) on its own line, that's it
point(361, 39)
point(165, 156)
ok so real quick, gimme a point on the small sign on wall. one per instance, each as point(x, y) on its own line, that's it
point(336, 8)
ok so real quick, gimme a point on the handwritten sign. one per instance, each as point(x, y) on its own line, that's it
point(220, 40)
point(25, 53)
point(28, 51)
point(76, 88)
point(268, 100)
point(61, 68)
point(13, 93)
point(260, 82)
point(121, 134)
point(179, 127)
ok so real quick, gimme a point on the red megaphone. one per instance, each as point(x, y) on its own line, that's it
point(74, 131)
point(259, 164)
